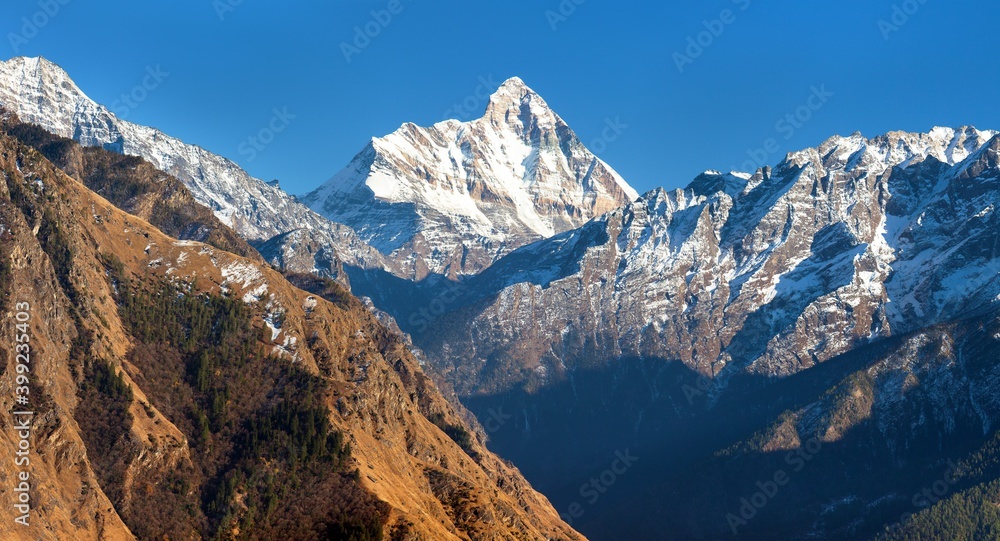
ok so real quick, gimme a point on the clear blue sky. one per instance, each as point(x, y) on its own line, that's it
point(605, 60)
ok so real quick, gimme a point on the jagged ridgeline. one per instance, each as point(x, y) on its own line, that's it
point(841, 306)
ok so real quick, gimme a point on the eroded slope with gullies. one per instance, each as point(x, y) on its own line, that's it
point(182, 390)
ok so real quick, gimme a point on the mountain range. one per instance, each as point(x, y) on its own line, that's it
point(771, 273)
point(841, 305)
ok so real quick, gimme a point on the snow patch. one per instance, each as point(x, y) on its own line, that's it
point(245, 275)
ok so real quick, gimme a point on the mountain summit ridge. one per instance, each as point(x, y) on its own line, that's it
point(125, 303)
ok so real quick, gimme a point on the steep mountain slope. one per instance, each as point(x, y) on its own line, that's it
point(41, 93)
point(182, 390)
point(970, 513)
point(452, 198)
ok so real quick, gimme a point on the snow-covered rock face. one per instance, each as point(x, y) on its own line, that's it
point(40, 92)
point(769, 274)
point(452, 198)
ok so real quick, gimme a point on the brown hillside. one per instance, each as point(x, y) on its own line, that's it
point(232, 404)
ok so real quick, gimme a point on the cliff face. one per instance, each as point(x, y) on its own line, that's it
point(180, 389)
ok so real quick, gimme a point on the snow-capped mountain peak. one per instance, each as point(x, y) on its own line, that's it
point(453, 197)
point(449, 198)
point(515, 90)
point(515, 104)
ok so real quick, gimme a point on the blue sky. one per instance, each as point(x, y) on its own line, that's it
point(229, 64)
